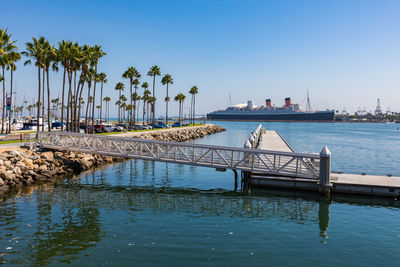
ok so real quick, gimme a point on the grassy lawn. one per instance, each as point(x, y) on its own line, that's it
point(10, 142)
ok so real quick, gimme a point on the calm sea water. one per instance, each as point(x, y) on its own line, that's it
point(140, 213)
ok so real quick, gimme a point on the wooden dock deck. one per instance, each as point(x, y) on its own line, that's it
point(374, 185)
point(271, 140)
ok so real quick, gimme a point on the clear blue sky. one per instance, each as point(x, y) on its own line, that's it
point(347, 53)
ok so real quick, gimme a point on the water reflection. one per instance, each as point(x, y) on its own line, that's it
point(62, 225)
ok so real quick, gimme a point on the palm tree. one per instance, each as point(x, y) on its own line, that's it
point(6, 47)
point(120, 87)
point(135, 97)
point(35, 51)
point(64, 54)
point(145, 85)
point(193, 91)
point(103, 80)
point(123, 107)
point(166, 80)
point(98, 110)
point(86, 55)
point(145, 98)
point(152, 100)
point(107, 100)
point(97, 53)
point(90, 76)
point(180, 98)
point(96, 79)
point(13, 57)
point(154, 71)
point(131, 73)
point(50, 58)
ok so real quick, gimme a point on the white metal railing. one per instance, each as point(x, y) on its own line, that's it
point(243, 159)
point(29, 139)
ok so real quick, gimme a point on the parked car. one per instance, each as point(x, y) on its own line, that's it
point(140, 127)
point(184, 123)
point(177, 124)
point(160, 125)
point(56, 124)
point(98, 128)
point(108, 128)
point(119, 128)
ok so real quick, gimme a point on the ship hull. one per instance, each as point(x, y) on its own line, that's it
point(295, 116)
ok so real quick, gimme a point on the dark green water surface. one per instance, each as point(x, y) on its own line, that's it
point(139, 213)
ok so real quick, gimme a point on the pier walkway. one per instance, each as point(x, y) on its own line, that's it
point(338, 182)
point(291, 164)
point(271, 140)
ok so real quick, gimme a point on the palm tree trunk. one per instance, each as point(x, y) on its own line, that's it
point(179, 113)
point(144, 109)
point(79, 104)
point(148, 111)
point(153, 107)
point(87, 109)
point(138, 110)
point(62, 101)
point(73, 105)
point(38, 104)
point(11, 93)
point(130, 96)
point(43, 78)
point(69, 104)
point(119, 107)
point(166, 108)
point(94, 97)
point(93, 104)
point(101, 100)
point(48, 100)
point(3, 117)
point(134, 106)
point(194, 108)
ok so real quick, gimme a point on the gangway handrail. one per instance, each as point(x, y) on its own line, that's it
point(266, 162)
point(151, 141)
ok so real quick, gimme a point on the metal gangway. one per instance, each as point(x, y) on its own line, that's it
point(220, 157)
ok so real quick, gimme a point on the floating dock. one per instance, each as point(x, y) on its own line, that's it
point(372, 185)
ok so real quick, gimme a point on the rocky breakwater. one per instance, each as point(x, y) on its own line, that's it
point(25, 167)
point(181, 134)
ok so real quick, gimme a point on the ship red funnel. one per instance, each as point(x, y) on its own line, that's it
point(268, 103)
point(287, 102)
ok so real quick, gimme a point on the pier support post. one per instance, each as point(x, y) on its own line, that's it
point(325, 171)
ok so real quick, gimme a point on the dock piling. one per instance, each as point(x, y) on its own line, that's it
point(325, 171)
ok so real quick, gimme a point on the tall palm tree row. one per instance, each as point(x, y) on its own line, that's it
point(77, 61)
point(79, 83)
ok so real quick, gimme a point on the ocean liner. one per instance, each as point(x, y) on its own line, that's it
point(269, 112)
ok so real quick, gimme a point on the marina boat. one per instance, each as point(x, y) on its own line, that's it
point(269, 112)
